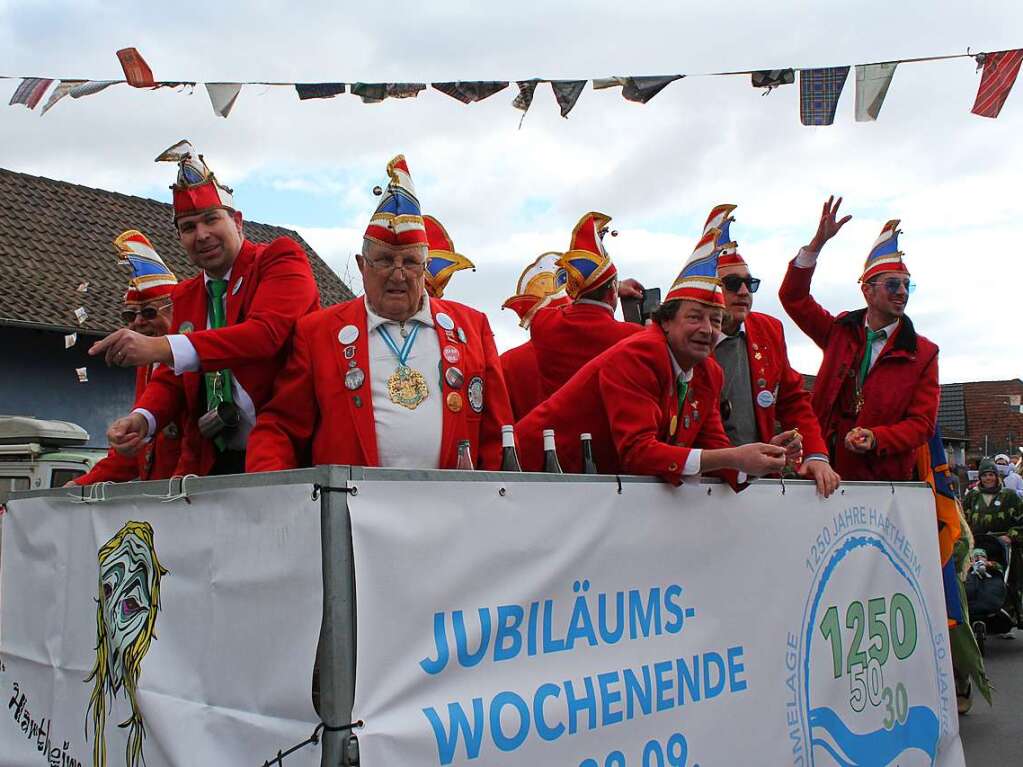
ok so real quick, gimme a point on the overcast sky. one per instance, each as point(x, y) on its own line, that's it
point(507, 194)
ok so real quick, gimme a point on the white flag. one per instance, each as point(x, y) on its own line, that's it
point(223, 96)
point(872, 81)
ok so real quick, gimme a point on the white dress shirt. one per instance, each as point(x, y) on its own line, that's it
point(186, 360)
point(879, 343)
point(406, 439)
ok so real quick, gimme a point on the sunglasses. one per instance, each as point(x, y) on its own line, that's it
point(733, 282)
point(892, 284)
point(147, 312)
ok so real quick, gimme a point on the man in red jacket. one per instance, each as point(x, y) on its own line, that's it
point(566, 338)
point(395, 378)
point(540, 285)
point(147, 310)
point(876, 395)
point(651, 402)
point(232, 327)
point(761, 389)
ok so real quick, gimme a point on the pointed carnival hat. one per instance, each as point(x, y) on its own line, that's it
point(587, 264)
point(398, 219)
point(150, 277)
point(721, 218)
point(541, 284)
point(443, 261)
point(885, 256)
point(196, 189)
point(698, 280)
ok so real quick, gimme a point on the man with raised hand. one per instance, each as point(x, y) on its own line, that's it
point(232, 327)
point(876, 394)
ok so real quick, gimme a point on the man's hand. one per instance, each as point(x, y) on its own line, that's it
point(860, 440)
point(792, 441)
point(630, 289)
point(827, 479)
point(128, 349)
point(758, 459)
point(126, 435)
point(828, 226)
point(69, 483)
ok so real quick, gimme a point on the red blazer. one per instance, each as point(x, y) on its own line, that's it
point(271, 286)
point(156, 460)
point(770, 370)
point(522, 375)
point(900, 394)
point(313, 419)
point(626, 398)
point(567, 337)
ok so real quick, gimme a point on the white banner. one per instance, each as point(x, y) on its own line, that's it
point(165, 633)
point(568, 624)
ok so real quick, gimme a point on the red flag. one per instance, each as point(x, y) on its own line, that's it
point(136, 70)
point(1000, 70)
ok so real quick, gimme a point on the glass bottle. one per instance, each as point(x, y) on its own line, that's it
point(509, 457)
point(589, 465)
point(550, 454)
point(464, 456)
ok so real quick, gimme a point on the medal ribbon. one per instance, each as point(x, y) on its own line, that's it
point(406, 349)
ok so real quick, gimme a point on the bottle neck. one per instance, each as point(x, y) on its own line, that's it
point(548, 442)
point(507, 439)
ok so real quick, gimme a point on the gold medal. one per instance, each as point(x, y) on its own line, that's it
point(673, 427)
point(454, 402)
point(407, 387)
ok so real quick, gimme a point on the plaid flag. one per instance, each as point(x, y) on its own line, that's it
point(819, 90)
point(467, 92)
point(30, 91)
point(525, 98)
point(374, 93)
point(872, 81)
point(567, 92)
point(136, 70)
point(1000, 70)
point(318, 90)
point(638, 89)
point(772, 78)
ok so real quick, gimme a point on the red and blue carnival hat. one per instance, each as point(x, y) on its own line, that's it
point(698, 280)
point(196, 189)
point(721, 218)
point(150, 277)
point(541, 284)
point(587, 265)
point(443, 261)
point(885, 256)
point(398, 219)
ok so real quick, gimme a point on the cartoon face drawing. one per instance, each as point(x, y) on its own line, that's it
point(126, 583)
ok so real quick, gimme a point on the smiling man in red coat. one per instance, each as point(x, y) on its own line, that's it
point(540, 285)
point(232, 327)
point(761, 389)
point(394, 378)
point(651, 402)
point(876, 395)
point(567, 337)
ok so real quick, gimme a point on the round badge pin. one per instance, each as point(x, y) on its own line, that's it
point(475, 394)
point(454, 377)
point(349, 352)
point(452, 355)
point(765, 398)
point(454, 402)
point(348, 334)
point(445, 321)
point(354, 378)
point(186, 327)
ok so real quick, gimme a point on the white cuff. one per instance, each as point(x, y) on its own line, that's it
point(186, 360)
point(806, 259)
point(150, 420)
point(692, 467)
point(816, 457)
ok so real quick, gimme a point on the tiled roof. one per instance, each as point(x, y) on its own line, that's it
point(995, 424)
point(952, 412)
point(55, 235)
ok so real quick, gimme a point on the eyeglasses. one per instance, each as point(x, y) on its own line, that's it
point(733, 282)
point(389, 265)
point(892, 284)
point(147, 312)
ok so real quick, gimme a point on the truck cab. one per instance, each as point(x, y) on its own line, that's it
point(36, 454)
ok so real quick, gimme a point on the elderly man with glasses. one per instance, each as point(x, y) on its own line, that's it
point(761, 390)
point(876, 394)
point(394, 378)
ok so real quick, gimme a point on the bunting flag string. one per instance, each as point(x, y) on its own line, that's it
point(820, 88)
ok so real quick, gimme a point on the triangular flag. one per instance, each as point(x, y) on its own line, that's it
point(1000, 70)
point(872, 81)
point(819, 90)
point(223, 96)
point(638, 89)
point(63, 89)
point(318, 90)
point(772, 78)
point(567, 92)
point(374, 93)
point(30, 91)
point(136, 70)
point(525, 98)
point(469, 91)
point(90, 87)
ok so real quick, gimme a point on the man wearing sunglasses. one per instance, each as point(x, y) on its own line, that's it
point(148, 310)
point(876, 394)
point(760, 387)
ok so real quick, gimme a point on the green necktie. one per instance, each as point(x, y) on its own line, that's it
point(865, 365)
point(682, 387)
point(218, 384)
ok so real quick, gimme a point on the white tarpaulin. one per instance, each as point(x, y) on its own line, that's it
point(568, 624)
point(216, 653)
